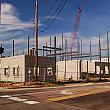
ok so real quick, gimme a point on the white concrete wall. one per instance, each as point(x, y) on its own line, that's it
point(106, 70)
point(71, 69)
point(25, 64)
point(13, 62)
point(106, 67)
point(91, 66)
point(84, 66)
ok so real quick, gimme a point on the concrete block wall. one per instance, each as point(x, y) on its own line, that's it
point(91, 66)
point(73, 69)
point(25, 63)
point(10, 63)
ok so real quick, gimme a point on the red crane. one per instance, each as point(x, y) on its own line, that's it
point(80, 9)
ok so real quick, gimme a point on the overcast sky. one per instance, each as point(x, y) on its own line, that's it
point(17, 21)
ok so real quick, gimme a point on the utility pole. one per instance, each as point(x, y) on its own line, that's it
point(55, 55)
point(65, 58)
point(44, 74)
point(100, 57)
point(1, 53)
point(13, 48)
point(71, 49)
point(62, 48)
point(90, 51)
point(50, 44)
point(60, 53)
point(46, 49)
point(78, 49)
point(108, 52)
point(80, 63)
point(78, 56)
point(36, 42)
point(28, 45)
point(87, 71)
point(81, 50)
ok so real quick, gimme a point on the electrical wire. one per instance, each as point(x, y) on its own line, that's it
point(49, 18)
point(53, 13)
point(55, 17)
point(42, 3)
point(52, 7)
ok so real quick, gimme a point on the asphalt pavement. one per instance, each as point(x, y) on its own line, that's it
point(48, 98)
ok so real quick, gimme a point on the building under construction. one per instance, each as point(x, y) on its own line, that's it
point(21, 69)
point(79, 70)
point(56, 64)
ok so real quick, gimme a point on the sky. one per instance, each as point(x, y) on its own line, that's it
point(17, 22)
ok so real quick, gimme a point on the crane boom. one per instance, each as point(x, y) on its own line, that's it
point(80, 9)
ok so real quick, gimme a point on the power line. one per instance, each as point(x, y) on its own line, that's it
point(42, 3)
point(52, 7)
point(53, 12)
point(32, 26)
point(55, 17)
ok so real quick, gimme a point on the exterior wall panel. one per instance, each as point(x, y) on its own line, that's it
point(10, 63)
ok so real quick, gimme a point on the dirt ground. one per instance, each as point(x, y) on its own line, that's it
point(100, 101)
point(26, 85)
point(20, 85)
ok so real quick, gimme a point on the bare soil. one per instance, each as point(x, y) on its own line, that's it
point(26, 85)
